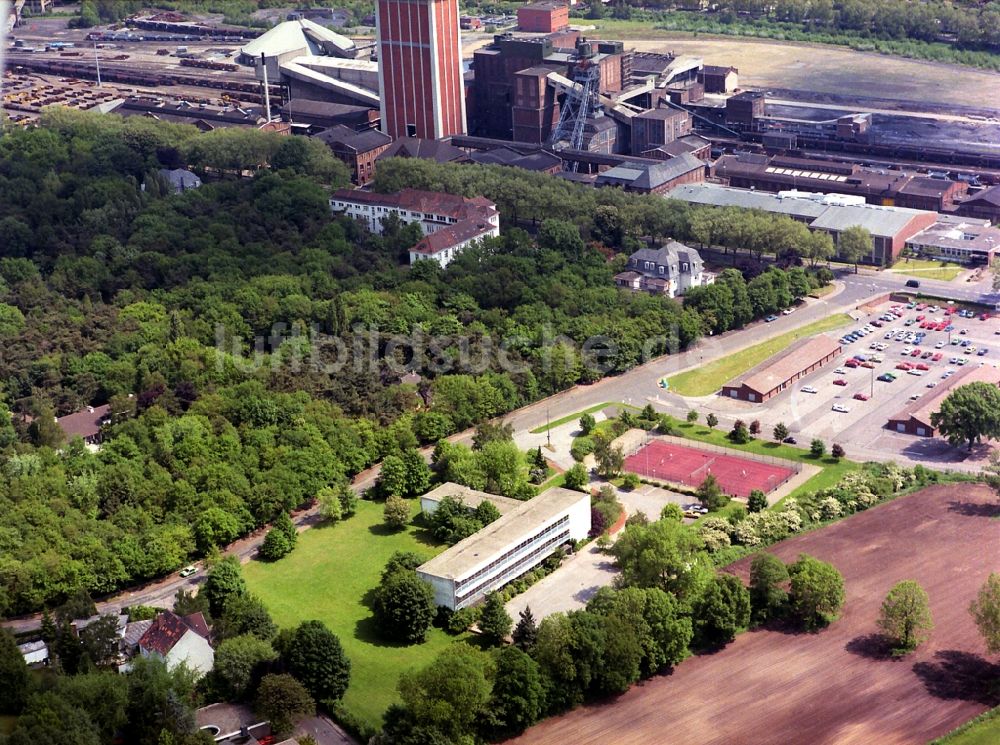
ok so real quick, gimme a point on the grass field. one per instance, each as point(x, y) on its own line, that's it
point(709, 378)
point(945, 271)
point(573, 417)
point(983, 730)
point(327, 577)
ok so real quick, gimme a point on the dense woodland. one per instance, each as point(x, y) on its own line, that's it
point(113, 290)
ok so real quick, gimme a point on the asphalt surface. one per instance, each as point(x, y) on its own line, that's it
point(637, 386)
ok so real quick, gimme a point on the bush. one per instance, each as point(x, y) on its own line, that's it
point(396, 512)
point(275, 546)
point(837, 451)
point(576, 478)
point(739, 434)
point(712, 421)
point(587, 424)
point(630, 481)
point(403, 607)
point(462, 619)
point(817, 448)
point(757, 501)
point(692, 416)
point(581, 448)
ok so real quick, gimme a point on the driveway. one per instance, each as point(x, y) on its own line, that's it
point(569, 587)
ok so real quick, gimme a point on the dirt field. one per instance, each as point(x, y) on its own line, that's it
point(837, 686)
point(828, 69)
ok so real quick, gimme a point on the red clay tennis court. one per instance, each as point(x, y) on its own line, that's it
point(689, 467)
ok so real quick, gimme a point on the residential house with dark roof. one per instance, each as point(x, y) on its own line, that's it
point(178, 639)
point(180, 179)
point(540, 161)
point(450, 223)
point(358, 150)
point(669, 270)
point(85, 424)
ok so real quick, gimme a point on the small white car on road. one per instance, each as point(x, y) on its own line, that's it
point(808, 389)
point(841, 408)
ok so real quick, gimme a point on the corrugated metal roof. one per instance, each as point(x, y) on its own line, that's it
point(293, 35)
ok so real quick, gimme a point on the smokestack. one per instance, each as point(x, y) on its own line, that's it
point(267, 90)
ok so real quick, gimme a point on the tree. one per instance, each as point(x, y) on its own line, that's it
point(906, 616)
point(757, 501)
point(817, 448)
point(100, 640)
point(854, 244)
point(403, 606)
point(709, 493)
point(238, 662)
point(450, 694)
point(969, 413)
point(418, 473)
point(692, 416)
point(314, 656)
point(610, 458)
point(245, 614)
point(284, 523)
point(187, 603)
point(985, 610)
point(721, 610)
point(526, 631)
point(517, 699)
point(13, 675)
point(282, 699)
point(330, 507)
point(837, 451)
point(768, 597)
point(662, 554)
point(396, 512)
point(576, 477)
point(817, 591)
point(275, 546)
point(712, 421)
point(739, 434)
point(392, 477)
point(492, 432)
point(495, 623)
point(224, 581)
point(755, 427)
point(587, 424)
point(780, 432)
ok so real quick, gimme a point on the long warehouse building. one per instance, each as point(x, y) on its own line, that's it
point(515, 543)
point(776, 375)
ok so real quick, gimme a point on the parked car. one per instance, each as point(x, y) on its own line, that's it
point(921, 366)
point(937, 357)
point(915, 396)
point(869, 364)
point(771, 318)
point(915, 352)
point(886, 377)
point(915, 372)
point(912, 283)
point(927, 355)
point(932, 384)
point(939, 345)
point(982, 352)
point(808, 389)
point(904, 366)
point(188, 570)
point(790, 440)
point(840, 371)
point(787, 311)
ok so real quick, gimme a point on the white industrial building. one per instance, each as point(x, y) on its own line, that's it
point(518, 541)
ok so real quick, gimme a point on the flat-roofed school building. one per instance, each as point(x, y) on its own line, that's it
point(471, 498)
point(507, 548)
point(775, 375)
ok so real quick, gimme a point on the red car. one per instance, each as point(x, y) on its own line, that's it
point(904, 366)
point(915, 352)
point(937, 356)
point(878, 324)
point(840, 381)
point(860, 397)
point(984, 317)
point(851, 363)
point(922, 306)
point(921, 366)
point(942, 326)
point(921, 317)
point(868, 364)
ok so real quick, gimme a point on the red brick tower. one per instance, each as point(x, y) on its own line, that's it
point(420, 68)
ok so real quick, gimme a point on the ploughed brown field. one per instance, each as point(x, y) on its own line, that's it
point(839, 685)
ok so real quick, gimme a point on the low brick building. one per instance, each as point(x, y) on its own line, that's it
point(654, 178)
point(778, 374)
point(543, 17)
point(915, 419)
point(357, 149)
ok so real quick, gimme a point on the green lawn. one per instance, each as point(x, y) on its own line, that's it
point(574, 417)
point(983, 730)
point(928, 269)
point(709, 378)
point(326, 577)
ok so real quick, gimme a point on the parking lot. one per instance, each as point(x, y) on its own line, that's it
point(850, 401)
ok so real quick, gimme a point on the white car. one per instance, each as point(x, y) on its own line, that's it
point(932, 384)
point(939, 345)
point(841, 408)
point(906, 350)
point(808, 389)
point(888, 335)
point(787, 311)
point(915, 373)
point(838, 371)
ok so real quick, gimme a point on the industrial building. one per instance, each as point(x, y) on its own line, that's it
point(887, 187)
point(654, 177)
point(778, 373)
point(421, 86)
point(718, 79)
point(890, 227)
point(915, 418)
point(505, 549)
point(544, 17)
point(985, 205)
point(358, 150)
point(670, 270)
point(450, 223)
point(967, 240)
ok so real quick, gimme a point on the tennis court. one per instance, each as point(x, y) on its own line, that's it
point(690, 467)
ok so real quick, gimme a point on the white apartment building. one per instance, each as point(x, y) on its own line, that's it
point(450, 223)
point(518, 541)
